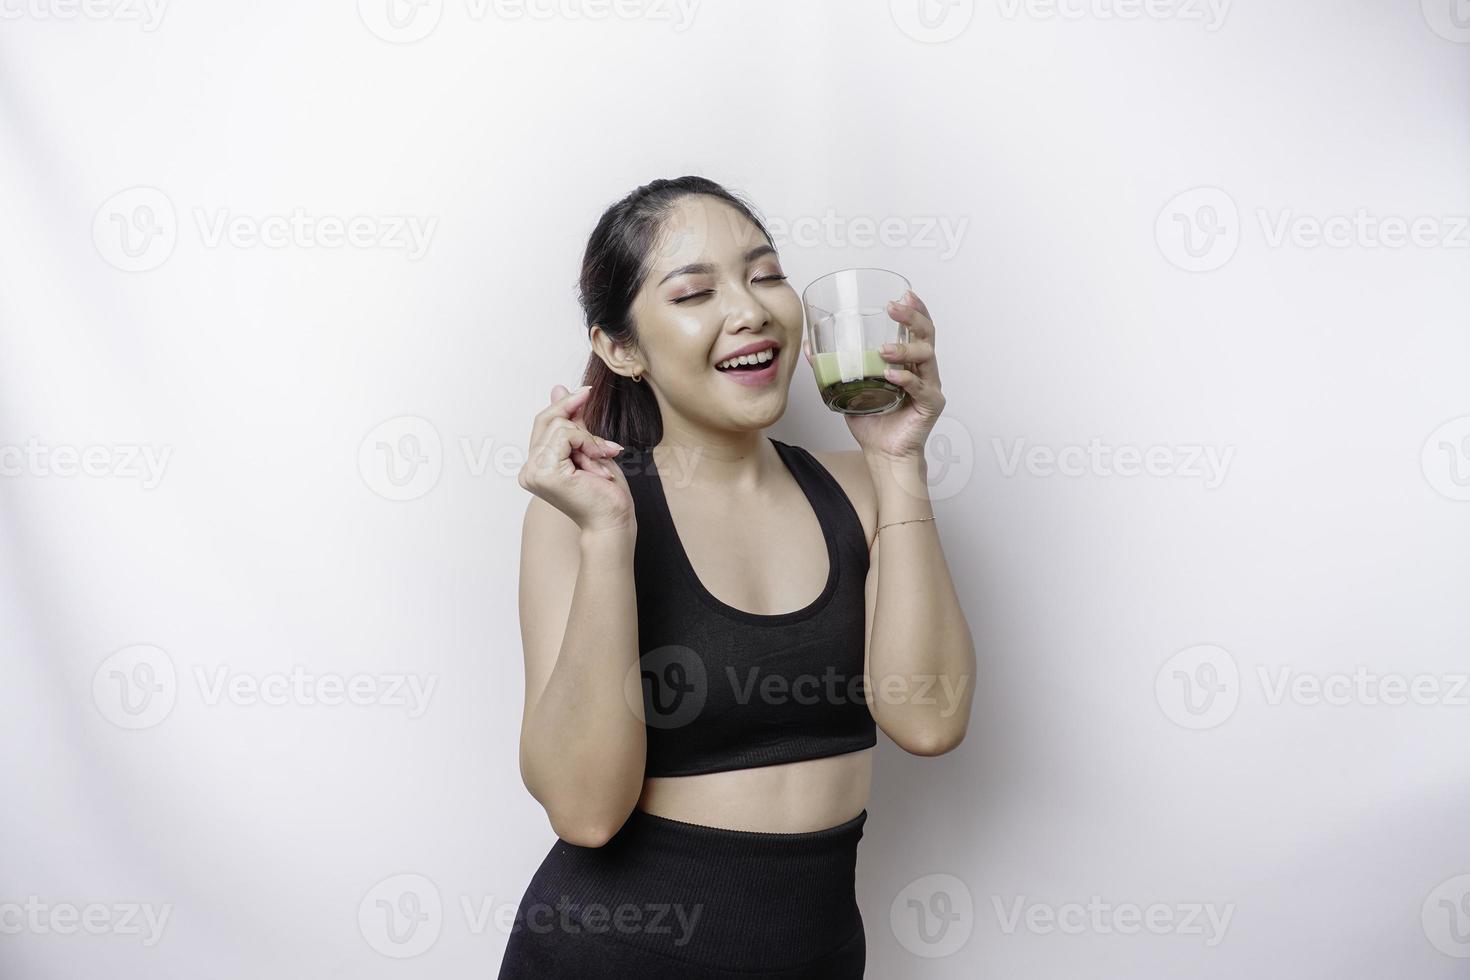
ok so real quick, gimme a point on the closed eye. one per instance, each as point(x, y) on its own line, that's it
point(706, 292)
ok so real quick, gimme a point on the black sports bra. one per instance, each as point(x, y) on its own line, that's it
point(724, 688)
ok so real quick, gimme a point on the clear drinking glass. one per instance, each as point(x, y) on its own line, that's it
point(847, 321)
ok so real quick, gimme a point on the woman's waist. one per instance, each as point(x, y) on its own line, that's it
point(793, 797)
point(745, 900)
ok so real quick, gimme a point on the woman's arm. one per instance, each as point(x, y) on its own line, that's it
point(920, 657)
point(582, 739)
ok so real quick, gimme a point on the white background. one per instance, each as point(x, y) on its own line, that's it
point(1333, 378)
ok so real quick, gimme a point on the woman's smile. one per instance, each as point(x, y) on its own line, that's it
point(753, 365)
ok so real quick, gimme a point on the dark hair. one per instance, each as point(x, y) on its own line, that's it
point(613, 269)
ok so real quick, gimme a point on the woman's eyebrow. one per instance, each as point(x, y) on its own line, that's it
point(702, 267)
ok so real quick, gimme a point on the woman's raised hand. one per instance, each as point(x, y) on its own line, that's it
point(572, 469)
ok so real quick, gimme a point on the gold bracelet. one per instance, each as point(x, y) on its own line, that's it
point(916, 520)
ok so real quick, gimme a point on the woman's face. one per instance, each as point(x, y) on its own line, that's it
point(714, 287)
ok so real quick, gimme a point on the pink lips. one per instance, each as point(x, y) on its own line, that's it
point(754, 379)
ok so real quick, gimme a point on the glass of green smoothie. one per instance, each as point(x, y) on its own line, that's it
point(847, 322)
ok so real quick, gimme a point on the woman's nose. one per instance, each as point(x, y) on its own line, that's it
point(744, 310)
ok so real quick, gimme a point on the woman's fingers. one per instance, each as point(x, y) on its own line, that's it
point(921, 390)
point(918, 304)
point(913, 352)
point(917, 354)
point(915, 318)
point(565, 409)
point(575, 406)
point(562, 407)
point(566, 436)
point(587, 464)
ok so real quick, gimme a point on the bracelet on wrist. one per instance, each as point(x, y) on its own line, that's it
point(915, 520)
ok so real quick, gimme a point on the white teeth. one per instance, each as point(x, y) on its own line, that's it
point(760, 357)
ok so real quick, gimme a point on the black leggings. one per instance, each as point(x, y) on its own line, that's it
point(668, 900)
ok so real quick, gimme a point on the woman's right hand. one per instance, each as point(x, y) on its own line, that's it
point(573, 470)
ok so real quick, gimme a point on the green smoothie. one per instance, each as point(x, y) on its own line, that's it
point(866, 392)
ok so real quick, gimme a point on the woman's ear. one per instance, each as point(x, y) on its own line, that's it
point(617, 357)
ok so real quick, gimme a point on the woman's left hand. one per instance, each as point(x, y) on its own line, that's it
point(901, 434)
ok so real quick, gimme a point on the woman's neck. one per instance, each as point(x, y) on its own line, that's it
point(738, 461)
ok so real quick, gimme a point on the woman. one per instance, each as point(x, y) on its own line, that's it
point(710, 644)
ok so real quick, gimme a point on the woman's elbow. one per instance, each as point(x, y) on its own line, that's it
point(583, 815)
point(585, 833)
point(931, 741)
point(588, 824)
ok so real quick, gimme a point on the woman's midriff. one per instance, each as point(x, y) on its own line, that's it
point(792, 798)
